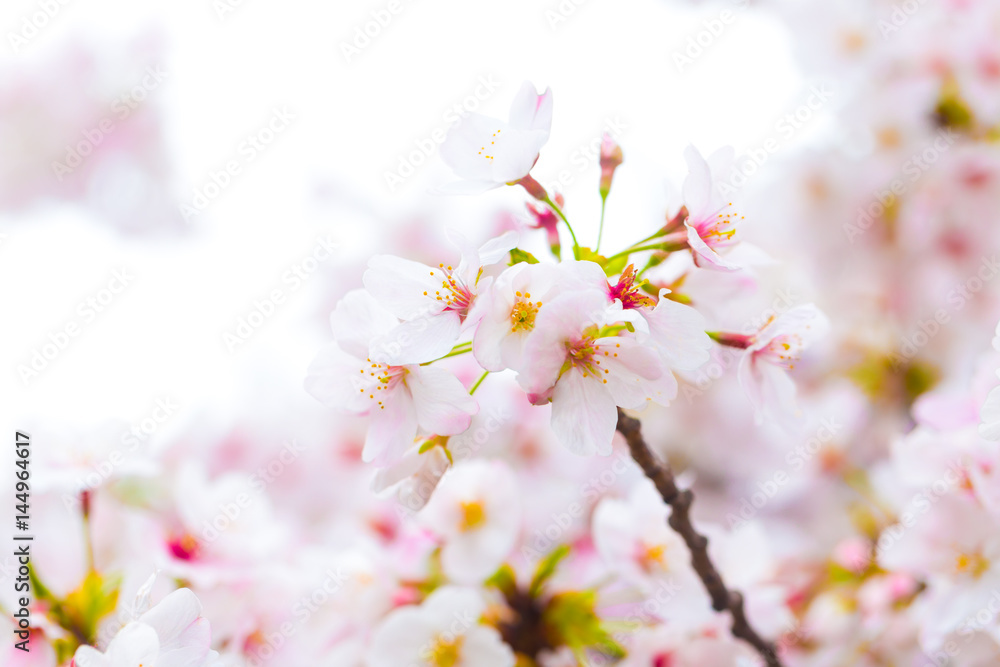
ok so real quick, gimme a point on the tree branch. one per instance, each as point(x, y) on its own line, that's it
point(680, 500)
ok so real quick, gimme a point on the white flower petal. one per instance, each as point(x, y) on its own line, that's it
point(403, 287)
point(392, 429)
point(443, 405)
point(418, 340)
point(584, 415)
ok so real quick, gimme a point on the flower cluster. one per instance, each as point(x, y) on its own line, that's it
point(587, 335)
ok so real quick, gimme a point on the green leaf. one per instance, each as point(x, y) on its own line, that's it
point(615, 266)
point(517, 256)
point(81, 612)
point(586, 254)
point(504, 579)
point(572, 619)
point(546, 569)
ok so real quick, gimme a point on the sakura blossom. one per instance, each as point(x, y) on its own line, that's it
point(472, 512)
point(445, 630)
point(585, 374)
point(711, 225)
point(486, 153)
point(435, 304)
point(773, 351)
point(400, 398)
point(171, 633)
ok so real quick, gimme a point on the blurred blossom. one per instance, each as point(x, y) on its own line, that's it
point(416, 458)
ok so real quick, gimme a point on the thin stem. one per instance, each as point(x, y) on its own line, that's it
point(658, 233)
point(88, 537)
point(478, 382)
point(461, 348)
point(562, 216)
point(723, 599)
point(629, 251)
point(600, 229)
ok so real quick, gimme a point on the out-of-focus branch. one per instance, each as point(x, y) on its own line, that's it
point(680, 500)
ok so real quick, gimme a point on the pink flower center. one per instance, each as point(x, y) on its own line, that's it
point(663, 660)
point(454, 294)
point(783, 351)
point(585, 355)
point(377, 378)
point(183, 547)
point(718, 231)
point(627, 291)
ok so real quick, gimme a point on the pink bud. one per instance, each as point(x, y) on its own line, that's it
point(547, 220)
point(611, 157)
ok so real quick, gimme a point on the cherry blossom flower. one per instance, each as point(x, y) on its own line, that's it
point(214, 533)
point(675, 330)
point(486, 153)
point(586, 372)
point(711, 222)
point(476, 511)
point(171, 634)
point(954, 545)
point(401, 399)
point(770, 353)
point(509, 312)
point(444, 631)
point(435, 304)
point(633, 537)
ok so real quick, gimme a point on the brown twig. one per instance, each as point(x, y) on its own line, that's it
point(679, 500)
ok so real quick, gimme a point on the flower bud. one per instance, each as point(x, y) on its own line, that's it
point(611, 157)
point(547, 220)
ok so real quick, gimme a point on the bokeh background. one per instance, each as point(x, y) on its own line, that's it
point(187, 189)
